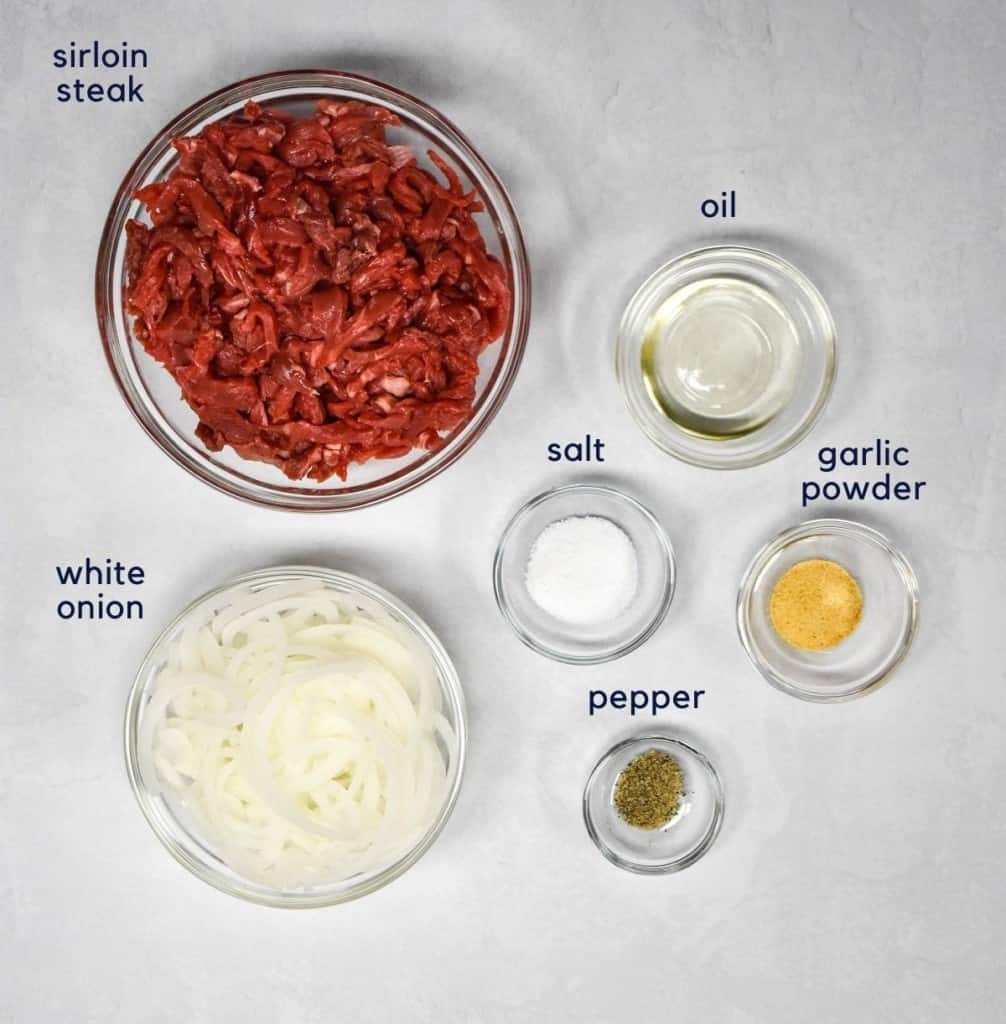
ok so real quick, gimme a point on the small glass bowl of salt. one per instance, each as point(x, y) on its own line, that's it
point(584, 573)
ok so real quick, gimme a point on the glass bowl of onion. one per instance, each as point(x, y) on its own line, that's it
point(307, 412)
point(296, 737)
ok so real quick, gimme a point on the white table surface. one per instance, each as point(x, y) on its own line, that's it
point(859, 873)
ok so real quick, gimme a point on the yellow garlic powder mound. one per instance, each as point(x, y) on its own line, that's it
point(815, 605)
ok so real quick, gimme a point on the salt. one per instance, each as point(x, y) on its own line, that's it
point(582, 570)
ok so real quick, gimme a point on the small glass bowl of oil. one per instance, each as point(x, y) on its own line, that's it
point(726, 356)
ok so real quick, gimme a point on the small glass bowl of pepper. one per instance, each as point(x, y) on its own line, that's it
point(653, 805)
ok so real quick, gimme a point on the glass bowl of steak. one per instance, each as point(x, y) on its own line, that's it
point(312, 291)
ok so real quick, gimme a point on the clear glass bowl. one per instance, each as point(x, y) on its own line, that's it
point(195, 852)
point(790, 291)
point(674, 846)
point(868, 656)
point(153, 396)
point(580, 644)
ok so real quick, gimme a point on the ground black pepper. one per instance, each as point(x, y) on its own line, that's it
point(649, 789)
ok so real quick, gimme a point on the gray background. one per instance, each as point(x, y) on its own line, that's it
point(859, 873)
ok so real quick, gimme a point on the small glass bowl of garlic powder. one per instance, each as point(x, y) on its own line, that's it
point(828, 609)
point(584, 573)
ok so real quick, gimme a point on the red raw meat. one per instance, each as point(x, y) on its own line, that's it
point(320, 299)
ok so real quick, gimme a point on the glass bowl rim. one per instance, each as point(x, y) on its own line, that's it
point(669, 442)
point(810, 527)
point(499, 588)
point(450, 685)
point(666, 867)
point(502, 375)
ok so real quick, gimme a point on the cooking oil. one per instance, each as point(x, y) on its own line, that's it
point(720, 357)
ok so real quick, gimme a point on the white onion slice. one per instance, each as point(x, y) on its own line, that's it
point(303, 732)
